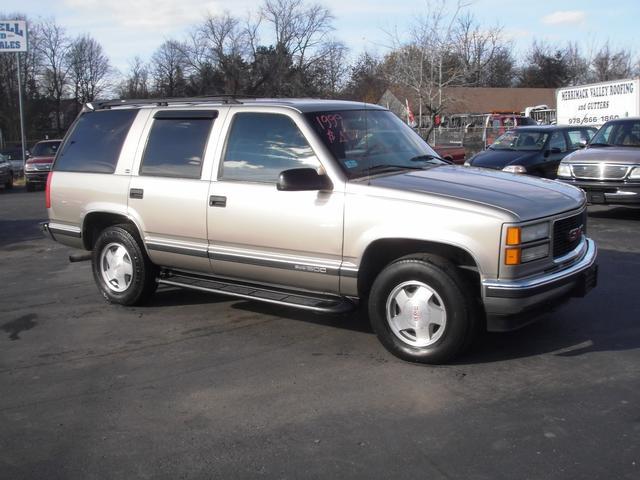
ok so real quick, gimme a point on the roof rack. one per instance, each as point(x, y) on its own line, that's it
point(164, 102)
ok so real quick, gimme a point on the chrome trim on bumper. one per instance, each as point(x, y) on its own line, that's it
point(573, 254)
point(61, 229)
point(541, 283)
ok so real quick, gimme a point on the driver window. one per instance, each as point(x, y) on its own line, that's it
point(261, 145)
point(557, 141)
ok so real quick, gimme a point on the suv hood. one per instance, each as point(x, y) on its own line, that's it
point(525, 197)
point(621, 155)
point(40, 160)
point(500, 159)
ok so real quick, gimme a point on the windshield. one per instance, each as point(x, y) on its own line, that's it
point(371, 141)
point(45, 149)
point(622, 134)
point(520, 140)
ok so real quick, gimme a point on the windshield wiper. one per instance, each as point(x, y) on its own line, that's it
point(389, 166)
point(597, 144)
point(425, 157)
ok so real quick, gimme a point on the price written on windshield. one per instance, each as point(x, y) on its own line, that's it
point(331, 125)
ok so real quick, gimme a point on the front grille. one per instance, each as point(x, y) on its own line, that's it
point(563, 242)
point(600, 171)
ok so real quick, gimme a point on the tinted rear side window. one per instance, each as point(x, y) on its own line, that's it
point(95, 142)
point(176, 147)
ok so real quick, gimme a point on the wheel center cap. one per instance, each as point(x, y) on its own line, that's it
point(416, 313)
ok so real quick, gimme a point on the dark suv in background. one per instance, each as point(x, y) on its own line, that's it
point(608, 170)
point(39, 163)
point(533, 150)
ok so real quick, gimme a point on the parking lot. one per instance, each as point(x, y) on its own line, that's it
point(200, 386)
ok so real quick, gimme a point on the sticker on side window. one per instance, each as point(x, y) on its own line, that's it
point(350, 163)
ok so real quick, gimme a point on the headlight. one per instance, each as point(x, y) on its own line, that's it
point(564, 170)
point(531, 233)
point(29, 167)
point(635, 174)
point(534, 253)
point(467, 163)
point(514, 169)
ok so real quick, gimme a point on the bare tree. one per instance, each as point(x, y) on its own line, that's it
point(54, 47)
point(88, 69)
point(225, 44)
point(168, 69)
point(475, 49)
point(420, 63)
point(136, 83)
point(577, 65)
point(299, 29)
point(610, 65)
point(331, 68)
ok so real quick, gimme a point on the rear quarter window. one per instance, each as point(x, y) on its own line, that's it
point(95, 142)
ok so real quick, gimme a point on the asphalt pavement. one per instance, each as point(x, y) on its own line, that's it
point(200, 386)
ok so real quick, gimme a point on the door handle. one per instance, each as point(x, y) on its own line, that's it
point(136, 193)
point(217, 201)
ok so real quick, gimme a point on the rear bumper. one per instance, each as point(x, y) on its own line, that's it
point(608, 192)
point(511, 304)
point(66, 234)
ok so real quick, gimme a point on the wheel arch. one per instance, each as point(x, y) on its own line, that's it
point(96, 221)
point(383, 252)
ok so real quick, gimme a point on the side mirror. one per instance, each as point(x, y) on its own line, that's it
point(303, 179)
point(582, 143)
point(27, 154)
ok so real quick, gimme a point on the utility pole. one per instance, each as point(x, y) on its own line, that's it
point(22, 137)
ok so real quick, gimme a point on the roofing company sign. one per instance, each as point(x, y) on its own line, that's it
point(598, 103)
point(13, 36)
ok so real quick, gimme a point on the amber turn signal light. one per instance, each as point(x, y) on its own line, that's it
point(513, 235)
point(512, 256)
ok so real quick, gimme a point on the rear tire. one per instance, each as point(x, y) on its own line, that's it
point(9, 184)
point(121, 268)
point(421, 311)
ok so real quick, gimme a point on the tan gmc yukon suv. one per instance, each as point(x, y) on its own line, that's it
point(320, 205)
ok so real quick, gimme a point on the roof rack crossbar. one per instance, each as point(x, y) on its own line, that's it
point(163, 102)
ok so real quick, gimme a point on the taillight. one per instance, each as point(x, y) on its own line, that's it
point(47, 191)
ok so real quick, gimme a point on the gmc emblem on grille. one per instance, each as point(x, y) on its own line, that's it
point(574, 233)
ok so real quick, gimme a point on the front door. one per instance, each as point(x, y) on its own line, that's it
point(260, 234)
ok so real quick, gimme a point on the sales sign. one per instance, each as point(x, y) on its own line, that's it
point(13, 36)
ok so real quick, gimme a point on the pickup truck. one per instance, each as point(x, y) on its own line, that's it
point(325, 206)
point(453, 153)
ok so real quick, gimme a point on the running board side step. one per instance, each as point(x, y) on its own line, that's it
point(305, 301)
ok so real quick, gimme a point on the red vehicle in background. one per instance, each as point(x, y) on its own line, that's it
point(38, 165)
point(453, 153)
point(498, 123)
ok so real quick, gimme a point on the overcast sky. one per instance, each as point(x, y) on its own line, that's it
point(127, 28)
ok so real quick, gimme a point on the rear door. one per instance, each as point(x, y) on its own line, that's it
point(169, 186)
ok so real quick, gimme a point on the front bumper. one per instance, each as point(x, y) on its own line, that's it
point(511, 304)
point(5, 176)
point(37, 176)
point(608, 191)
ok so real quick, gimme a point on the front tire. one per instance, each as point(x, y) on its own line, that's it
point(9, 184)
point(121, 269)
point(419, 309)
